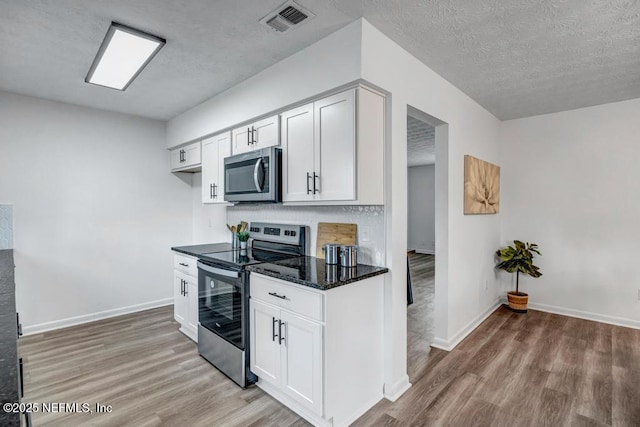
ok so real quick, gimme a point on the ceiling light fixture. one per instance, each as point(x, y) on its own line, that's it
point(123, 54)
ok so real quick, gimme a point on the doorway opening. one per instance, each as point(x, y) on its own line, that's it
point(426, 184)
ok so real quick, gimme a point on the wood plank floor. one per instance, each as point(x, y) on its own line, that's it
point(536, 369)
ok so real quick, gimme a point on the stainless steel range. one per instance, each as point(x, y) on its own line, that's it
point(223, 295)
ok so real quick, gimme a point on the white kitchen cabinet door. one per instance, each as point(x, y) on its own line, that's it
point(180, 308)
point(187, 158)
point(265, 343)
point(241, 140)
point(302, 361)
point(335, 147)
point(214, 150)
point(297, 154)
point(266, 133)
point(192, 308)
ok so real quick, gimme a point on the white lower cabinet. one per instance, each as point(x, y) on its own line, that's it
point(185, 295)
point(318, 352)
point(301, 355)
point(287, 352)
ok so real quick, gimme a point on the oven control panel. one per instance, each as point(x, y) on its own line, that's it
point(292, 234)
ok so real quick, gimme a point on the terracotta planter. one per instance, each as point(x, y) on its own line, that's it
point(518, 301)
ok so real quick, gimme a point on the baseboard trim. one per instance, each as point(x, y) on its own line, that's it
point(450, 344)
point(393, 391)
point(586, 315)
point(86, 318)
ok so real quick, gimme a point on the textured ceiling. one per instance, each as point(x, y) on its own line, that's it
point(47, 47)
point(421, 143)
point(515, 57)
point(519, 58)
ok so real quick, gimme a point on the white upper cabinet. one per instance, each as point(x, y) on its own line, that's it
point(254, 136)
point(333, 150)
point(335, 147)
point(297, 153)
point(187, 158)
point(214, 150)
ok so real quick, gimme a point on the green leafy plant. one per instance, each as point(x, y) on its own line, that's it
point(519, 259)
point(243, 236)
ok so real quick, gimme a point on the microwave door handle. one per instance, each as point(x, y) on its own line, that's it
point(256, 171)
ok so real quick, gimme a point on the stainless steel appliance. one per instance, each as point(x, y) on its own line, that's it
point(254, 177)
point(223, 295)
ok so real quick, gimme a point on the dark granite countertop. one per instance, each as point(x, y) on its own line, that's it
point(8, 338)
point(314, 273)
point(197, 250)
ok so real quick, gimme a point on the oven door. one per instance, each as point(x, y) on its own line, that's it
point(221, 303)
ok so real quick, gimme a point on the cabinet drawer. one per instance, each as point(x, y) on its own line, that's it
point(185, 264)
point(291, 297)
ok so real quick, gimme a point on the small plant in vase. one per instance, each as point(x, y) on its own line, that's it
point(519, 259)
point(243, 237)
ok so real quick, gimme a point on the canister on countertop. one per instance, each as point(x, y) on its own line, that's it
point(331, 253)
point(348, 255)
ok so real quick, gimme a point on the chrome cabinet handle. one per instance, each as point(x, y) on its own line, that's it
point(273, 329)
point(211, 191)
point(314, 183)
point(21, 378)
point(280, 331)
point(183, 264)
point(248, 138)
point(253, 135)
point(308, 178)
point(215, 191)
point(273, 294)
point(181, 287)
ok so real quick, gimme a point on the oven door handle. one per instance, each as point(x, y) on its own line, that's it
point(218, 271)
point(257, 177)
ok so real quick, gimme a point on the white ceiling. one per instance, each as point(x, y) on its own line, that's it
point(421, 143)
point(515, 57)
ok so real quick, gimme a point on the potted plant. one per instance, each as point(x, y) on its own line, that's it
point(519, 259)
point(243, 236)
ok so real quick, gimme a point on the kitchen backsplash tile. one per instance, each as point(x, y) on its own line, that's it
point(370, 220)
point(6, 227)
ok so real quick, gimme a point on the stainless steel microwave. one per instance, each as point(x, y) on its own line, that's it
point(254, 176)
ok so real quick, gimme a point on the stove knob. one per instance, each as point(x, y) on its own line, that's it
point(292, 234)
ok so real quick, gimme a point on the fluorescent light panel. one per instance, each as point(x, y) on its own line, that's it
point(123, 54)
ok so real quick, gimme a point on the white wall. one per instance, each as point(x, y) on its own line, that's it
point(421, 197)
point(369, 221)
point(95, 210)
point(569, 183)
point(466, 256)
point(209, 220)
point(323, 66)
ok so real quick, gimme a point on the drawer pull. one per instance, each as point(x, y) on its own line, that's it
point(273, 294)
point(183, 264)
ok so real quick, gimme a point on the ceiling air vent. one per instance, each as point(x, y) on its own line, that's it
point(287, 16)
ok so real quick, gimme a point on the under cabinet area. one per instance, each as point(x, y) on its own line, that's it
point(254, 136)
point(333, 150)
point(185, 294)
point(318, 352)
point(187, 158)
point(214, 150)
